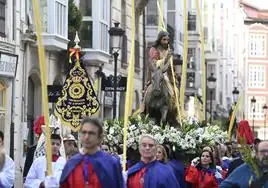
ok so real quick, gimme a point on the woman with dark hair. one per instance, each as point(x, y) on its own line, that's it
point(203, 174)
point(218, 160)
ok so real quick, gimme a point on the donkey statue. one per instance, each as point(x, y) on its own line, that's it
point(158, 102)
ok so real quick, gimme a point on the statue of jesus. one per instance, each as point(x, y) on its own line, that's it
point(159, 56)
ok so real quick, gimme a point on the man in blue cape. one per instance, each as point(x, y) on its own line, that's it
point(148, 172)
point(245, 177)
point(92, 167)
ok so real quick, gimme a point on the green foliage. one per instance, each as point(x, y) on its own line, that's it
point(74, 21)
point(186, 127)
point(249, 159)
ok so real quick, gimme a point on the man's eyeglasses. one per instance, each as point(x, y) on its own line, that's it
point(149, 145)
point(264, 151)
point(90, 133)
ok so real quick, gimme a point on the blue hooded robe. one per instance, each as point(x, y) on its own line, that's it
point(107, 169)
point(240, 177)
point(157, 175)
point(179, 171)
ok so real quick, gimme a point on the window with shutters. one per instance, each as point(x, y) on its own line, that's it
point(257, 45)
point(257, 76)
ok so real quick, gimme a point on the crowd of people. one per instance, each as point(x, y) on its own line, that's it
point(95, 165)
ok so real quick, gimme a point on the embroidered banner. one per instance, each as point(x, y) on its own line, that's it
point(77, 98)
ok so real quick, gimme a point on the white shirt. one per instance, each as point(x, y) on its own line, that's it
point(7, 174)
point(36, 174)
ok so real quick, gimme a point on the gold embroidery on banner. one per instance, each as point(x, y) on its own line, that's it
point(77, 99)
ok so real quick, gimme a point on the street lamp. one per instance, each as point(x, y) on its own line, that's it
point(211, 86)
point(253, 102)
point(116, 34)
point(265, 107)
point(235, 95)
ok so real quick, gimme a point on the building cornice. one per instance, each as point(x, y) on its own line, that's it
point(7, 45)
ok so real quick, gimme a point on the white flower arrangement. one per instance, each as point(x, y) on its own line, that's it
point(194, 138)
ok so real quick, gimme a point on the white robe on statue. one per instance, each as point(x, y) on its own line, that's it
point(7, 174)
point(36, 174)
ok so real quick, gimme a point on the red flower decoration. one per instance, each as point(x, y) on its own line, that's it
point(37, 125)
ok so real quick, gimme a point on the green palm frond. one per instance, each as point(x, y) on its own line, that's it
point(248, 157)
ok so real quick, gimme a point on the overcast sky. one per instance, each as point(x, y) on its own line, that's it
point(259, 3)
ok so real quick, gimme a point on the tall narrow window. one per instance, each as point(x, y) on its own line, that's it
point(257, 45)
point(104, 37)
point(87, 24)
point(86, 34)
point(171, 13)
point(2, 17)
point(191, 22)
point(124, 50)
point(137, 55)
point(152, 13)
point(104, 24)
point(60, 12)
point(124, 39)
point(257, 76)
point(86, 7)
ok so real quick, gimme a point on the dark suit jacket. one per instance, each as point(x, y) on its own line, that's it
point(29, 160)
